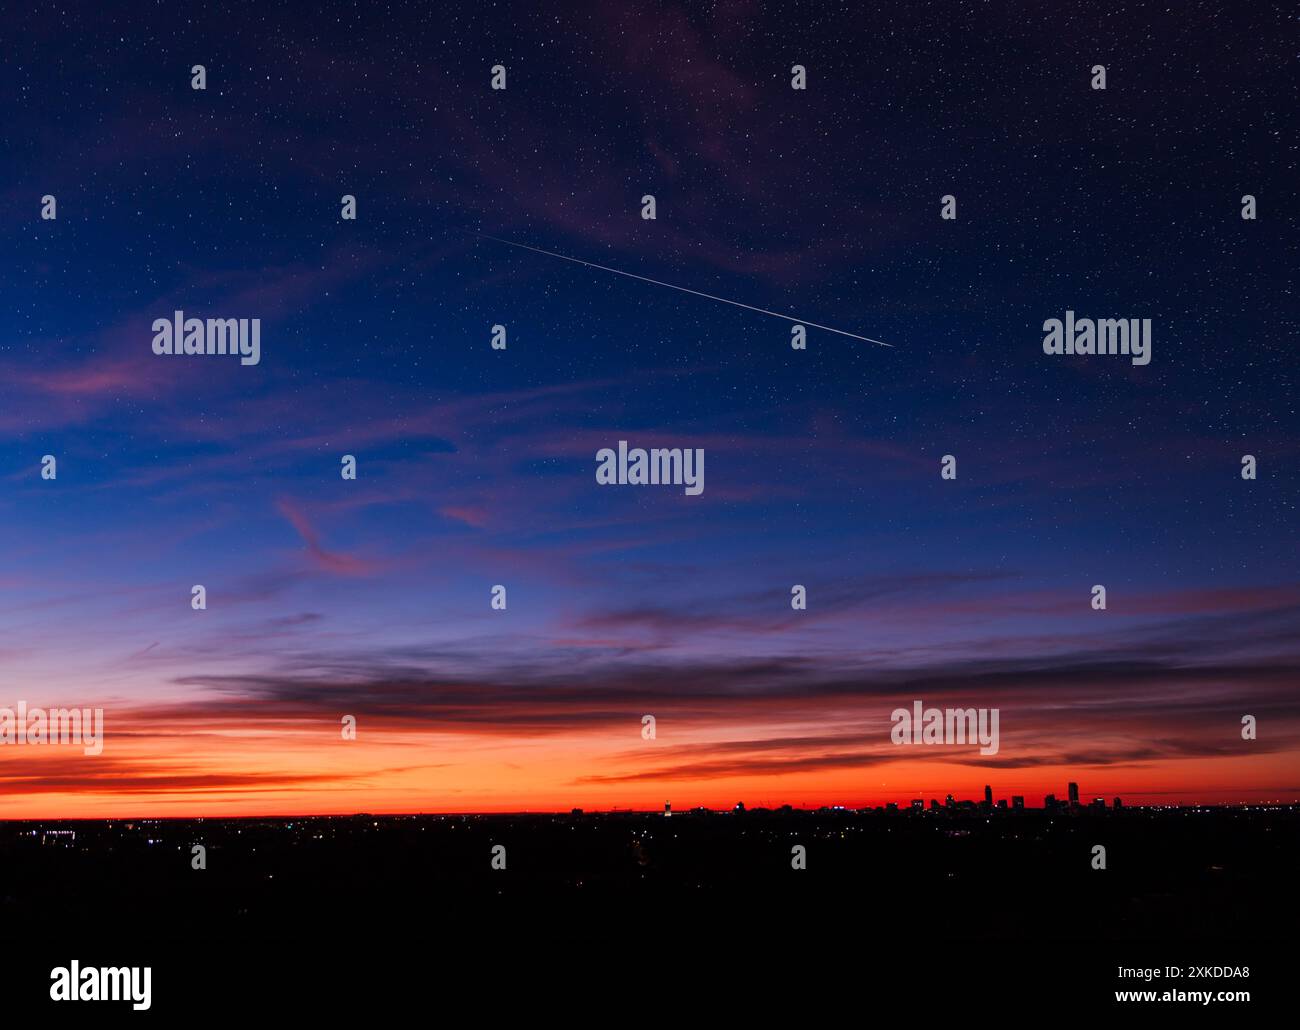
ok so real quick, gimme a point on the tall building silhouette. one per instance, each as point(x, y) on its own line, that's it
point(1074, 794)
point(988, 796)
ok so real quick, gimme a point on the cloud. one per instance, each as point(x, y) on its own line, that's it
point(327, 561)
point(1169, 692)
point(48, 773)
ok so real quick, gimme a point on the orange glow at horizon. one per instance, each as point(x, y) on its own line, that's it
point(310, 770)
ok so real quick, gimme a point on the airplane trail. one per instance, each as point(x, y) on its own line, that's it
point(683, 289)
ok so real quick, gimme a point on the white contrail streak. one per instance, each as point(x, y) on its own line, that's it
point(683, 289)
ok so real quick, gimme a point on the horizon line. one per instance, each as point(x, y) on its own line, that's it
point(641, 811)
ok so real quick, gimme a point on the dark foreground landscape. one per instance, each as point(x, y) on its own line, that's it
point(889, 902)
point(1189, 872)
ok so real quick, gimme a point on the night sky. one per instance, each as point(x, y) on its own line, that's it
point(476, 466)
